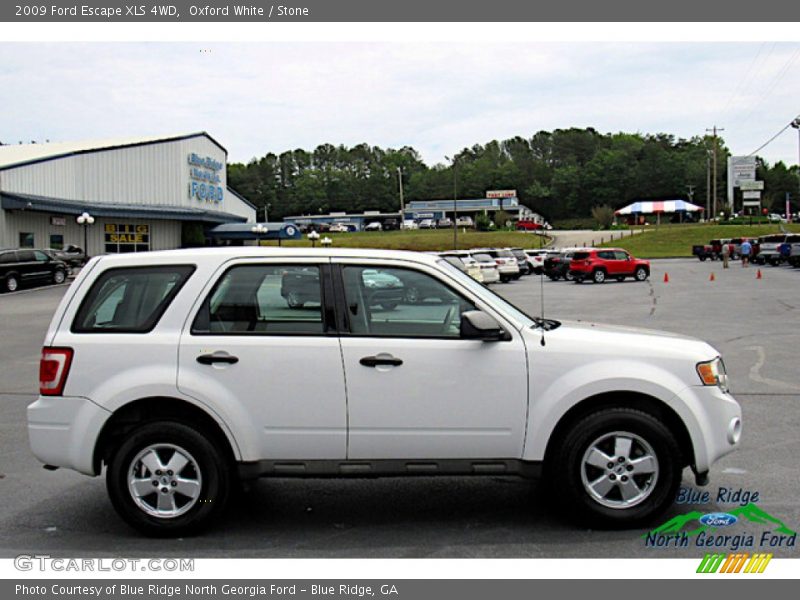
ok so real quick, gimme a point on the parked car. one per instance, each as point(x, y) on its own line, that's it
point(299, 286)
point(465, 222)
point(338, 228)
point(769, 248)
point(22, 267)
point(536, 259)
point(488, 267)
point(735, 245)
point(556, 265)
point(73, 255)
point(226, 383)
point(427, 224)
point(506, 263)
point(791, 253)
point(391, 224)
point(528, 225)
point(600, 264)
point(465, 262)
point(525, 266)
point(410, 224)
point(444, 223)
point(374, 226)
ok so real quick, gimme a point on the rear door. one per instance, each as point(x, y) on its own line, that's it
point(30, 267)
point(262, 346)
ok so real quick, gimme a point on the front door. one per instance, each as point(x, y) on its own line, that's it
point(415, 389)
point(262, 346)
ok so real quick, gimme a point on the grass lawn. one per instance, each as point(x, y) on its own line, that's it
point(427, 239)
point(677, 240)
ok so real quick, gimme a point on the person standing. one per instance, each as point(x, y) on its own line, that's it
point(747, 248)
point(726, 254)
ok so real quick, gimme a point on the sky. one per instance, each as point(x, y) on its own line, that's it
point(259, 97)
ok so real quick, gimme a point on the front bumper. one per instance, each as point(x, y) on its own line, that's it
point(714, 421)
point(63, 431)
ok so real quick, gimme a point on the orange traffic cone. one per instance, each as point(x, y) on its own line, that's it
point(666, 277)
point(712, 277)
point(758, 275)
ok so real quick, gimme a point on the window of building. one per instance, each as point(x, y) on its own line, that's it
point(126, 237)
point(264, 300)
point(25, 240)
point(57, 241)
point(129, 300)
point(401, 303)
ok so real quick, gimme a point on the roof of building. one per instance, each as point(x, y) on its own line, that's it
point(60, 206)
point(17, 155)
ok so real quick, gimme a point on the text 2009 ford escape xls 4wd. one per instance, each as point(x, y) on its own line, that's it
point(180, 371)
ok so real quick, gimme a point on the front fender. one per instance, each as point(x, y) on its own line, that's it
point(551, 401)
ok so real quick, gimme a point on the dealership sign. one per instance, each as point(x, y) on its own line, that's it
point(501, 194)
point(205, 173)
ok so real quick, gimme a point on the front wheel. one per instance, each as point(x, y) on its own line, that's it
point(168, 479)
point(293, 300)
point(617, 467)
point(59, 276)
point(640, 274)
point(568, 276)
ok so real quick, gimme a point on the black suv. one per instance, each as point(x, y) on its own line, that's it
point(24, 266)
point(556, 266)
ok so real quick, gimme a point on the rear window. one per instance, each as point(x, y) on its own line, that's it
point(483, 257)
point(581, 255)
point(772, 239)
point(129, 300)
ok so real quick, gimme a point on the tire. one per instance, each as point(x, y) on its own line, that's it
point(640, 274)
point(620, 277)
point(568, 276)
point(12, 283)
point(59, 277)
point(505, 279)
point(293, 300)
point(599, 276)
point(578, 279)
point(617, 435)
point(702, 258)
point(205, 477)
point(388, 305)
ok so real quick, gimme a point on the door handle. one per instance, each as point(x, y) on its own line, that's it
point(217, 357)
point(375, 361)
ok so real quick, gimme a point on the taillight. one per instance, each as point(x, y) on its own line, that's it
point(53, 370)
point(499, 261)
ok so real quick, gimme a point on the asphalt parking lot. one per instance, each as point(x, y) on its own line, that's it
point(755, 323)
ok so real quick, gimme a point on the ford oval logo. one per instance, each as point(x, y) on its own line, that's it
point(718, 519)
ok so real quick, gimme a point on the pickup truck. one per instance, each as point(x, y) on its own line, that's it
point(712, 250)
point(769, 247)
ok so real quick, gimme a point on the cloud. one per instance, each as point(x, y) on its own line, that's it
point(262, 97)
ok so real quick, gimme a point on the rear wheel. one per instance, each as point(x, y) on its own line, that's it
point(599, 276)
point(12, 283)
point(168, 479)
point(617, 467)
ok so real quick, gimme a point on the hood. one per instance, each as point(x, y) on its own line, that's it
point(622, 340)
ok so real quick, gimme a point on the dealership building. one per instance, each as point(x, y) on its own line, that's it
point(142, 194)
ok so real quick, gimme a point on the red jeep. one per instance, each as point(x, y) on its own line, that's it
point(528, 225)
point(600, 264)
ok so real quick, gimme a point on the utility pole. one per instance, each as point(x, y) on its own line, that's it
point(455, 202)
point(691, 198)
point(714, 130)
point(709, 214)
point(796, 125)
point(402, 202)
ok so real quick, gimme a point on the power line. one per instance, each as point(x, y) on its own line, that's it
point(778, 76)
point(772, 139)
point(744, 81)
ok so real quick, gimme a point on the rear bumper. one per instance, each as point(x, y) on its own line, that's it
point(63, 431)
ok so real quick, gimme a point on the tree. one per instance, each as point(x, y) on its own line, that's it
point(604, 215)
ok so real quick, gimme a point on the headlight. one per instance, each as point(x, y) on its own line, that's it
point(713, 372)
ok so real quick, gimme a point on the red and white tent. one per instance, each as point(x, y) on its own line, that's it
point(658, 206)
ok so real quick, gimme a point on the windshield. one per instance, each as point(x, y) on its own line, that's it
point(487, 295)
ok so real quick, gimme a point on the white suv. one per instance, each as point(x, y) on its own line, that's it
point(183, 371)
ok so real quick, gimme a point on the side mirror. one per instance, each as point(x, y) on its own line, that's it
point(477, 325)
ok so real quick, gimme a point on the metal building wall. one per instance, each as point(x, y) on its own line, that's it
point(164, 235)
point(155, 174)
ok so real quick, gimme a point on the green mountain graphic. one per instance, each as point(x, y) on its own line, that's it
point(750, 512)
